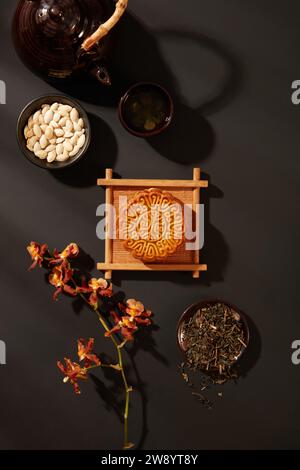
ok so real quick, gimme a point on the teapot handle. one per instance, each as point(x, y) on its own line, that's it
point(104, 28)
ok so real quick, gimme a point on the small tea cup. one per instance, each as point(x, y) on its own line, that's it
point(133, 109)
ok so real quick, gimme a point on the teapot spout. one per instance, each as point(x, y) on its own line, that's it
point(101, 73)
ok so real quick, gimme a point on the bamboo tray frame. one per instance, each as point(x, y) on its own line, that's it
point(117, 258)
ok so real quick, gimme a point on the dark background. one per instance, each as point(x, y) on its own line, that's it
point(229, 66)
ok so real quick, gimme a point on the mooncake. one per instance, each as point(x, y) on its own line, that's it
point(154, 225)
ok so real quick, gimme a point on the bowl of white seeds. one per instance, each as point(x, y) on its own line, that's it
point(53, 132)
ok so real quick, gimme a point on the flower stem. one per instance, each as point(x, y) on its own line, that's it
point(127, 389)
point(127, 395)
point(107, 366)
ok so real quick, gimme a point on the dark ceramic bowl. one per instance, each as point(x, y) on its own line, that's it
point(137, 90)
point(34, 106)
point(190, 311)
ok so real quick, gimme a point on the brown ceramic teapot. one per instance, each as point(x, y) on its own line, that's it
point(59, 38)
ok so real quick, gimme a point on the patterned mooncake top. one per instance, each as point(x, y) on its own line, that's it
point(154, 224)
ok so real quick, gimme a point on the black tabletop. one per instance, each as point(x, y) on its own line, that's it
point(229, 66)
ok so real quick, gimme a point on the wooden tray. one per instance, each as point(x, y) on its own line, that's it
point(117, 258)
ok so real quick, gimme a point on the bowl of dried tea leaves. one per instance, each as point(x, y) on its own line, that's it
point(213, 335)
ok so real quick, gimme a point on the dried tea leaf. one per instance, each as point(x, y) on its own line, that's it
point(214, 337)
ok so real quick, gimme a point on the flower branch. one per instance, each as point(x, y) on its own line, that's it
point(127, 317)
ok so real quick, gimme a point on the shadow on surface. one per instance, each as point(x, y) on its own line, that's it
point(138, 57)
point(253, 352)
point(109, 386)
point(215, 252)
point(144, 341)
point(111, 389)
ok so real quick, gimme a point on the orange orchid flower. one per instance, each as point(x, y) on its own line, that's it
point(73, 372)
point(96, 287)
point(85, 352)
point(93, 300)
point(100, 286)
point(128, 324)
point(71, 251)
point(134, 308)
point(125, 325)
point(59, 277)
point(37, 253)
